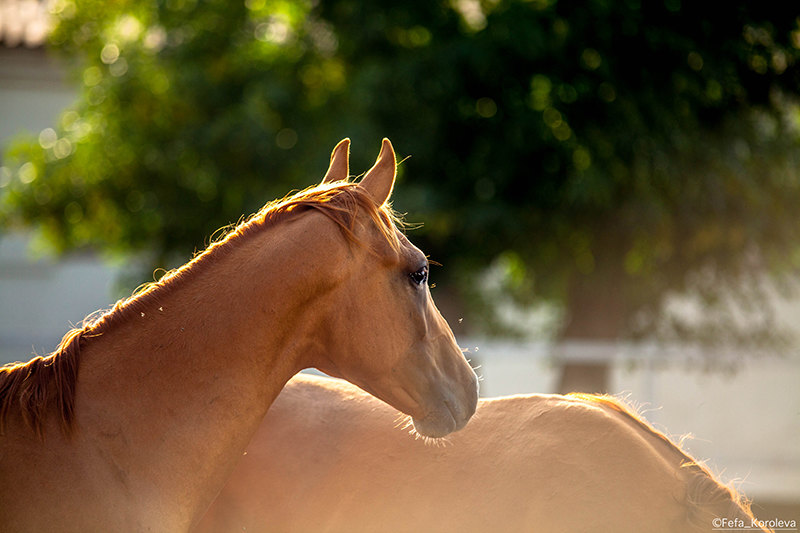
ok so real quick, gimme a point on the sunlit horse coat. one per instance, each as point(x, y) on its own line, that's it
point(329, 458)
point(137, 419)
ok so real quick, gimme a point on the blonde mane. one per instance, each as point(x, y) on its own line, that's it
point(704, 490)
point(43, 383)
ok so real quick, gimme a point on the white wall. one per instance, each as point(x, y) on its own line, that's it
point(41, 299)
point(32, 92)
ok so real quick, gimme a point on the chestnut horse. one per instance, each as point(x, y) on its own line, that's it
point(328, 458)
point(137, 419)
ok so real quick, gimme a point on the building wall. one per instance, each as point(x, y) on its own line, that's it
point(33, 92)
point(41, 299)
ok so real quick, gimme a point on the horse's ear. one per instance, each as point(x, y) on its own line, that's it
point(379, 180)
point(339, 168)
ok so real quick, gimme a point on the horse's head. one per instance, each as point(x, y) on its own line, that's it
point(384, 332)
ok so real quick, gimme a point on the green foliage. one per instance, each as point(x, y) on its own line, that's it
point(648, 144)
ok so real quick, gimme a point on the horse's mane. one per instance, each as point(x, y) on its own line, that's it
point(42, 383)
point(704, 491)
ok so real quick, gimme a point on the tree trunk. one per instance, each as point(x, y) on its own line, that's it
point(596, 316)
point(583, 377)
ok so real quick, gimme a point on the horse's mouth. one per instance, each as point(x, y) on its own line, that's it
point(438, 423)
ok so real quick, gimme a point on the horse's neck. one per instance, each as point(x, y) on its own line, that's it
point(171, 397)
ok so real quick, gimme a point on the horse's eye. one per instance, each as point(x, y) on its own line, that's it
point(420, 276)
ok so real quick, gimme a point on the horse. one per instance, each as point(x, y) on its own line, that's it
point(135, 421)
point(328, 458)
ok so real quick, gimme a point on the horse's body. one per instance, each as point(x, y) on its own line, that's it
point(135, 422)
point(328, 458)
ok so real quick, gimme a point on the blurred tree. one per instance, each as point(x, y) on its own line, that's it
point(601, 155)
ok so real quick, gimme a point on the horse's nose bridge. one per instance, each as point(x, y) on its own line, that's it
point(455, 372)
point(457, 380)
point(461, 397)
point(468, 389)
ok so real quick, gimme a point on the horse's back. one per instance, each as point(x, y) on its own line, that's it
point(330, 458)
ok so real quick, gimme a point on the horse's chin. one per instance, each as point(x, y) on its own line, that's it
point(435, 425)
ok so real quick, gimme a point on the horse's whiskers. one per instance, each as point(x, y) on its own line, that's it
point(402, 421)
point(438, 442)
